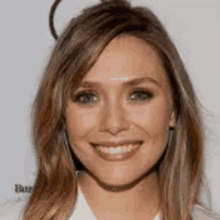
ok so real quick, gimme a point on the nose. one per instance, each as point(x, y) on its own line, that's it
point(113, 119)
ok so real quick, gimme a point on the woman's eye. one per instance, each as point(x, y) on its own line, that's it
point(84, 97)
point(141, 95)
point(89, 97)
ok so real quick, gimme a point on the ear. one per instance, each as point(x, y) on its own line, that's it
point(172, 122)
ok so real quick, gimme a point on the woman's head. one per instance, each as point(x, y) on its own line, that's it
point(85, 41)
point(118, 111)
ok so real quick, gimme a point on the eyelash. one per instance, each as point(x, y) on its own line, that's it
point(91, 92)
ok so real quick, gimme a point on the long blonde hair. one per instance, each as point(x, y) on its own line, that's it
point(181, 168)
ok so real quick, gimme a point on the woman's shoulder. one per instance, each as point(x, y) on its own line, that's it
point(13, 209)
point(201, 213)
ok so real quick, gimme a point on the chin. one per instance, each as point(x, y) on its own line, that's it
point(118, 183)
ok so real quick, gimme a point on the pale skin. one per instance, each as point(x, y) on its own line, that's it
point(114, 112)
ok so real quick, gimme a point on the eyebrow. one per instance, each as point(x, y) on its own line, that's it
point(133, 82)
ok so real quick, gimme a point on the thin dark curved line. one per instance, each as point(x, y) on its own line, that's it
point(51, 19)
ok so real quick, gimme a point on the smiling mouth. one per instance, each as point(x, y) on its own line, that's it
point(117, 153)
point(117, 149)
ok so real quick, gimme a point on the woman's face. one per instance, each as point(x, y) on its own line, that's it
point(110, 110)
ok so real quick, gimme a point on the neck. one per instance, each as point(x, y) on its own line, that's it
point(142, 201)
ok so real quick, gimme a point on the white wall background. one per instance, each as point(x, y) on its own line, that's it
point(25, 46)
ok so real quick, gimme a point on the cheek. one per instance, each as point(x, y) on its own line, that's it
point(153, 118)
point(79, 122)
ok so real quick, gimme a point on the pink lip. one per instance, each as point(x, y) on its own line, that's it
point(117, 143)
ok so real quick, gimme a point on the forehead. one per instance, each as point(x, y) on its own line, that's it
point(127, 57)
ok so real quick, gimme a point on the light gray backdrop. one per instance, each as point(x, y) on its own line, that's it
point(25, 46)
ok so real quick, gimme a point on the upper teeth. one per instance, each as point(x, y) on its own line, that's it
point(117, 149)
point(124, 145)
